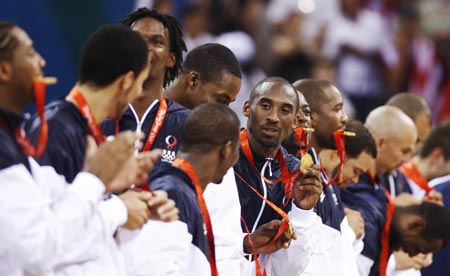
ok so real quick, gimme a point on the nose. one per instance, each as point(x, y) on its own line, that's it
point(41, 61)
point(303, 120)
point(273, 116)
point(344, 117)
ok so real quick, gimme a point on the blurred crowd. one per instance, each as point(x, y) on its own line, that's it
point(371, 49)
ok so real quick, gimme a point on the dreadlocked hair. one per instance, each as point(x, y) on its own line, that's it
point(7, 41)
point(177, 44)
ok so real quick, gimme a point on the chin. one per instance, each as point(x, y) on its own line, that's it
point(217, 181)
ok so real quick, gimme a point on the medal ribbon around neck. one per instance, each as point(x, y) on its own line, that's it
point(285, 175)
point(86, 112)
point(384, 256)
point(189, 170)
point(411, 171)
point(39, 88)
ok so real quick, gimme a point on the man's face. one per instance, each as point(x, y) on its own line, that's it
point(272, 113)
point(125, 97)
point(158, 41)
point(303, 120)
point(354, 167)
point(222, 91)
point(395, 150)
point(329, 118)
point(423, 125)
point(26, 63)
point(227, 162)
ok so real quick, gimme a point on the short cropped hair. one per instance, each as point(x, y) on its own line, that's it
point(363, 141)
point(110, 52)
point(208, 126)
point(410, 103)
point(211, 60)
point(439, 137)
point(314, 91)
point(8, 42)
point(177, 45)
point(437, 222)
point(283, 81)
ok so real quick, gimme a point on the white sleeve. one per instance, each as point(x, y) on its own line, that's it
point(224, 209)
point(161, 248)
point(349, 237)
point(307, 254)
point(43, 218)
point(364, 264)
point(114, 213)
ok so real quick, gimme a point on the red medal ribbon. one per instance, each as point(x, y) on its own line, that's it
point(384, 256)
point(339, 139)
point(411, 171)
point(157, 124)
point(22, 139)
point(86, 112)
point(284, 223)
point(302, 136)
point(255, 256)
point(154, 130)
point(285, 175)
point(189, 170)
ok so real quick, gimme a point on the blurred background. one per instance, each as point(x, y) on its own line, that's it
point(371, 49)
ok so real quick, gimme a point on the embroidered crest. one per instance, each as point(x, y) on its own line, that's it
point(169, 154)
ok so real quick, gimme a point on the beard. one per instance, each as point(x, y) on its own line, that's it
point(327, 142)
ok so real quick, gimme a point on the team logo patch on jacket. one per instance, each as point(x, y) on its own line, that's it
point(169, 154)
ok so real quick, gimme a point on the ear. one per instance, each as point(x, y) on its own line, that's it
point(193, 79)
point(334, 156)
point(127, 81)
point(295, 123)
point(380, 142)
point(416, 224)
point(313, 119)
point(171, 61)
point(5, 71)
point(226, 150)
point(436, 156)
point(246, 109)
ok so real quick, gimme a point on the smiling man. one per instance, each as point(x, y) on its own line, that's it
point(159, 118)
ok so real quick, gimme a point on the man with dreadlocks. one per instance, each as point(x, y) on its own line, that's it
point(151, 113)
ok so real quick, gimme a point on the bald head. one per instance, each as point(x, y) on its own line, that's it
point(417, 109)
point(395, 135)
point(315, 91)
point(267, 83)
point(389, 121)
point(410, 103)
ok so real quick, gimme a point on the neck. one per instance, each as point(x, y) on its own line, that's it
point(423, 167)
point(152, 91)
point(257, 148)
point(99, 101)
point(176, 92)
point(315, 145)
point(327, 161)
point(372, 171)
point(13, 102)
point(202, 166)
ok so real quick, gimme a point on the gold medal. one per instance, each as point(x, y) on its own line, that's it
point(306, 162)
point(290, 231)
